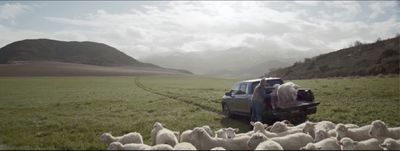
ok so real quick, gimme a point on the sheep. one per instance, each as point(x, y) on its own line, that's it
point(132, 137)
point(390, 144)
point(256, 139)
point(332, 132)
point(218, 148)
point(131, 146)
point(221, 134)
point(185, 134)
point(300, 126)
point(293, 141)
point(269, 145)
point(226, 132)
point(208, 130)
point(280, 127)
point(288, 142)
point(351, 126)
point(161, 135)
point(325, 144)
point(177, 135)
point(369, 144)
point(287, 95)
point(380, 130)
point(160, 147)
point(321, 135)
point(206, 142)
point(260, 127)
point(357, 134)
point(184, 146)
point(311, 127)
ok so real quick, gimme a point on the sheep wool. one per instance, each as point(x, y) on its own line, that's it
point(369, 144)
point(390, 144)
point(132, 137)
point(132, 146)
point(380, 130)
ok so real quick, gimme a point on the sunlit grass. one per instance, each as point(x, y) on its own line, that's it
point(72, 112)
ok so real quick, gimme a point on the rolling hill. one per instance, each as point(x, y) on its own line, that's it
point(52, 57)
point(381, 57)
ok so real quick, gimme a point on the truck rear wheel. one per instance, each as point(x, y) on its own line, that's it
point(299, 119)
point(226, 111)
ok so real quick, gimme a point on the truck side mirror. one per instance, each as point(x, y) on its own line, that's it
point(228, 93)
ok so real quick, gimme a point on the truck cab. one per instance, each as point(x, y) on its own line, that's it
point(237, 101)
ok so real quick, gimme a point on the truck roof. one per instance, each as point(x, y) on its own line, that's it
point(255, 80)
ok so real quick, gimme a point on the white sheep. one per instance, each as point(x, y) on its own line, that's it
point(351, 126)
point(184, 146)
point(208, 130)
point(357, 134)
point(260, 127)
point(321, 135)
point(160, 147)
point(206, 142)
point(332, 132)
point(311, 127)
point(293, 141)
point(221, 134)
point(218, 148)
point(380, 130)
point(280, 127)
point(325, 144)
point(301, 126)
point(226, 133)
point(390, 144)
point(185, 134)
point(369, 144)
point(131, 146)
point(161, 135)
point(288, 142)
point(287, 95)
point(132, 137)
point(269, 145)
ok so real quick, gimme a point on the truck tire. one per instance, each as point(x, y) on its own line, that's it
point(226, 111)
point(299, 119)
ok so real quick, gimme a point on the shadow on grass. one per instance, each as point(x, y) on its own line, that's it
point(243, 123)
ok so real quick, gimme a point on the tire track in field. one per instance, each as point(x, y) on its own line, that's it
point(201, 106)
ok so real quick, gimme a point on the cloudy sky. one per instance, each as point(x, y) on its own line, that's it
point(141, 29)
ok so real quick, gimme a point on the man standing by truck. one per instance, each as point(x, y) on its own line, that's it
point(257, 101)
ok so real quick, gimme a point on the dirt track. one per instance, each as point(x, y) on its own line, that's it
point(203, 107)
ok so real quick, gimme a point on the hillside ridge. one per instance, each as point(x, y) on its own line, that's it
point(85, 52)
point(380, 57)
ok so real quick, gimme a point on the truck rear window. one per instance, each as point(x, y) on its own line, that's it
point(270, 83)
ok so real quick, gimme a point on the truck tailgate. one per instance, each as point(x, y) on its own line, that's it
point(301, 108)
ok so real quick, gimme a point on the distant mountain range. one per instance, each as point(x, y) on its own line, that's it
point(239, 62)
point(380, 57)
point(50, 54)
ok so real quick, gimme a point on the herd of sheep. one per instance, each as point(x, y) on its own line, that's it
point(282, 135)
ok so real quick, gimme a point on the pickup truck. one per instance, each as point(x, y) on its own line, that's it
point(237, 102)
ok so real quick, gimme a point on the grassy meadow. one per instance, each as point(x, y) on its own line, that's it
point(72, 112)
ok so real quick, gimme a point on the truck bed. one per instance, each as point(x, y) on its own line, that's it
point(301, 110)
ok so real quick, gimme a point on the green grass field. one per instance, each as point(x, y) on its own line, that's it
point(72, 112)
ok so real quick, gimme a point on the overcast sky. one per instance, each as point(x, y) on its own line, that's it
point(145, 28)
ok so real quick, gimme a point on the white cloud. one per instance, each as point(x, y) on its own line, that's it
point(382, 8)
point(197, 26)
point(11, 11)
